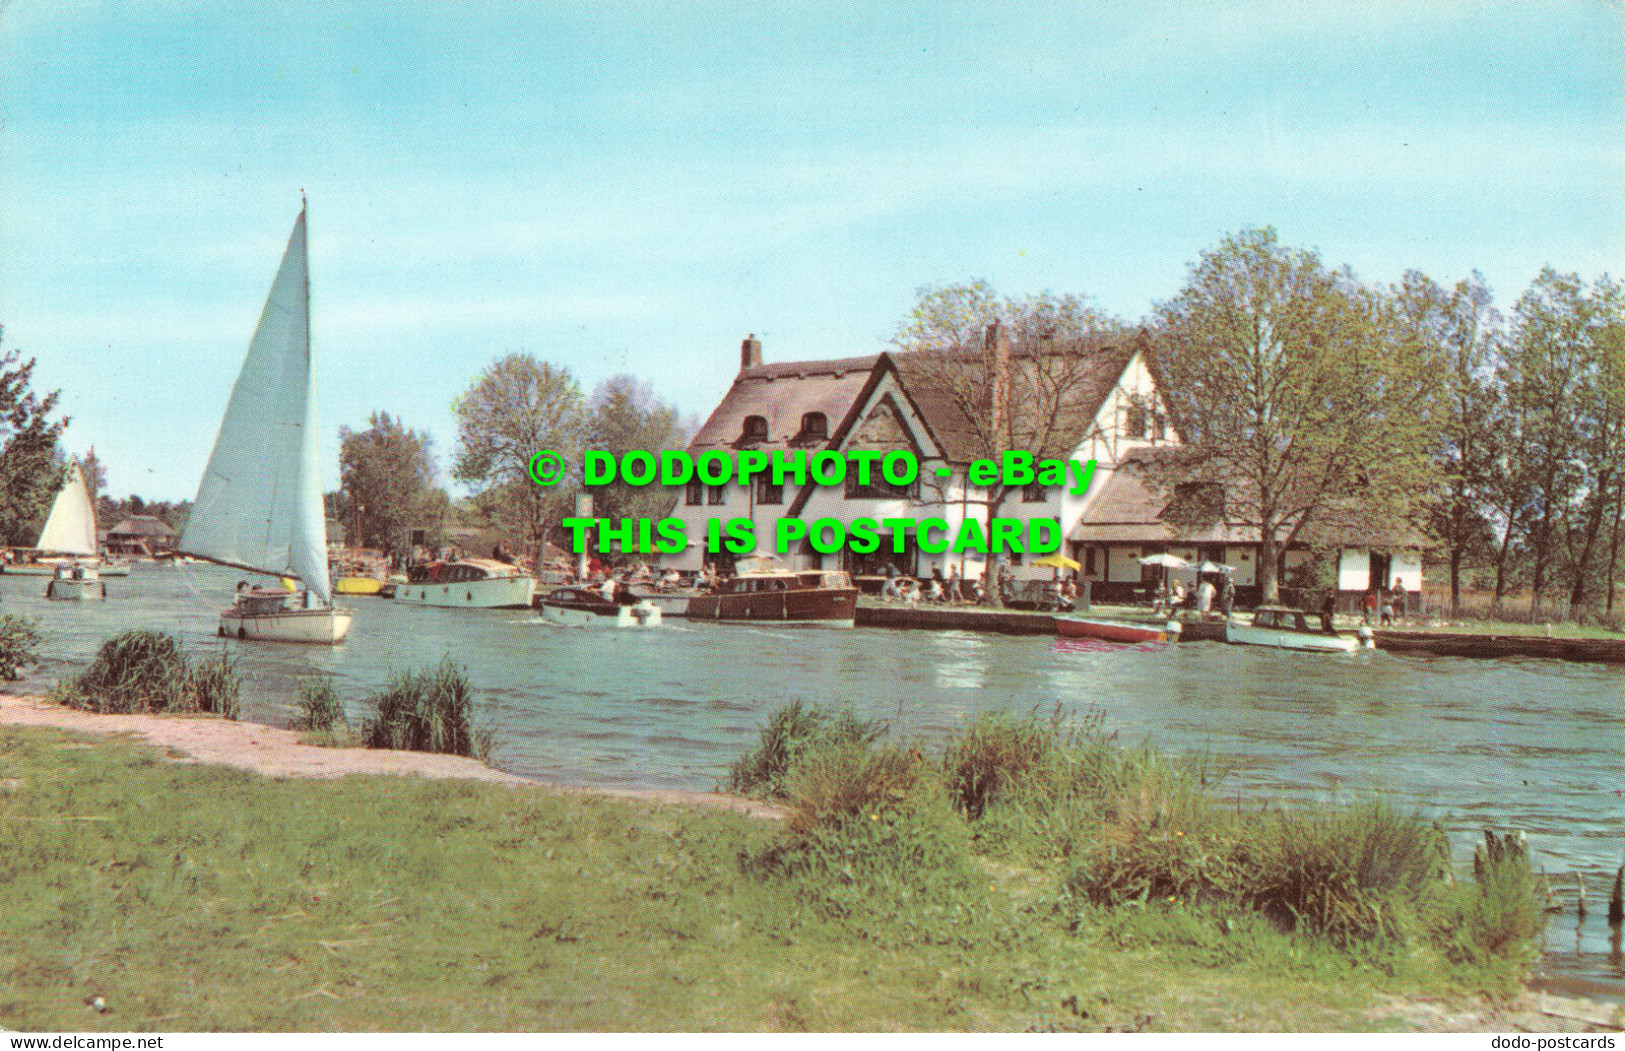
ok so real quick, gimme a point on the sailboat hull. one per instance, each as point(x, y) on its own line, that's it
point(326, 627)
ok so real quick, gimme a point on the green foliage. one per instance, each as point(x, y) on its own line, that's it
point(388, 474)
point(517, 408)
point(31, 465)
point(198, 898)
point(793, 732)
point(1293, 387)
point(145, 672)
point(1499, 914)
point(20, 640)
point(1348, 874)
point(624, 414)
point(320, 706)
point(427, 711)
point(832, 785)
point(995, 755)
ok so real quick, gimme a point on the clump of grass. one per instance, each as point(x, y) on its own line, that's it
point(321, 709)
point(1499, 913)
point(793, 733)
point(145, 672)
point(996, 755)
point(1341, 873)
point(1157, 833)
point(427, 711)
point(20, 640)
point(836, 783)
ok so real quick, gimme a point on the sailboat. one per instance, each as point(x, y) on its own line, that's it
point(259, 503)
point(70, 529)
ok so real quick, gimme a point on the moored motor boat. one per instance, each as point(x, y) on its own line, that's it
point(586, 607)
point(1111, 630)
point(469, 583)
point(780, 596)
point(1283, 628)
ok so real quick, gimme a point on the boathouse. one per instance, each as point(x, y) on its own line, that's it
point(1106, 409)
point(141, 535)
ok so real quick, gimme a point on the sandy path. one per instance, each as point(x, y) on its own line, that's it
point(278, 753)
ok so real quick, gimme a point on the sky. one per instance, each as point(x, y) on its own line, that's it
point(635, 187)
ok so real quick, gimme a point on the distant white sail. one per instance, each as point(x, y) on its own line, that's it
point(71, 527)
point(259, 505)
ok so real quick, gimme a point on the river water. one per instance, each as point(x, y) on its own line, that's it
point(1528, 744)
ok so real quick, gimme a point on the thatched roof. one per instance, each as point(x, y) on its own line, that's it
point(1136, 502)
point(142, 526)
point(784, 395)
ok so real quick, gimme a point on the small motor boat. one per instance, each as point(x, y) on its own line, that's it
point(586, 607)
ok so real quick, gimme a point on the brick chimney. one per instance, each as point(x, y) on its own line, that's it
point(997, 352)
point(750, 352)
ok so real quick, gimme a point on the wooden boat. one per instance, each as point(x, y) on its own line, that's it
point(76, 582)
point(467, 583)
point(586, 607)
point(259, 503)
point(1109, 630)
point(670, 603)
point(768, 594)
point(1283, 628)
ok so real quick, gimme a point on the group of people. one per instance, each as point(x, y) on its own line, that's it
point(1213, 591)
point(1388, 604)
point(935, 588)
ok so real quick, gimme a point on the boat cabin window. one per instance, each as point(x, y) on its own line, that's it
point(1264, 619)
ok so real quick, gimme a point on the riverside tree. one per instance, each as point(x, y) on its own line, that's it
point(1020, 371)
point(624, 414)
point(31, 465)
point(388, 474)
point(519, 407)
point(1292, 388)
point(1458, 332)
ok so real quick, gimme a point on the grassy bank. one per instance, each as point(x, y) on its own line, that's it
point(196, 897)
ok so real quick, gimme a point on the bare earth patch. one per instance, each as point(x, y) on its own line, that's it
point(279, 753)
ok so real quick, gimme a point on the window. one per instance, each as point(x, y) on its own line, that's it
point(1089, 561)
point(768, 493)
point(878, 488)
point(755, 429)
point(1034, 493)
point(814, 427)
point(1135, 426)
point(715, 495)
point(1159, 426)
point(695, 494)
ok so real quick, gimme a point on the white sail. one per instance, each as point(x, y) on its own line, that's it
point(71, 527)
point(259, 505)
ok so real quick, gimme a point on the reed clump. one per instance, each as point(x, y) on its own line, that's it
point(20, 640)
point(430, 710)
point(794, 734)
point(1113, 826)
point(321, 709)
point(146, 672)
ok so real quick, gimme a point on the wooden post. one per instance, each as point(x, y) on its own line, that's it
point(1580, 905)
point(1083, 596)
point(1616, 900)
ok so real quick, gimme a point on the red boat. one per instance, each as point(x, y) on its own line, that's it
point(1109, 630)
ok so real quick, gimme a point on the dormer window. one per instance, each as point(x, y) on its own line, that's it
point(814, 427)
point(755, 429)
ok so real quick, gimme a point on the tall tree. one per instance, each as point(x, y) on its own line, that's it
point(1600, 415)
point(388, 475)
point(520, 407)
point(1293, 389)
point(624, 414)
point(1457, 332)
point(1021, 371)
point(1547, 363)
point(31, 465)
